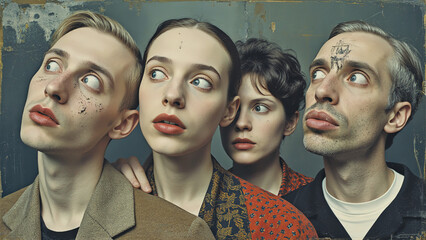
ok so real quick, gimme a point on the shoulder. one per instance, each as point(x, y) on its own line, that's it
point(7, 202)
point(277, 217)
point(154, 215)
point(307, 193)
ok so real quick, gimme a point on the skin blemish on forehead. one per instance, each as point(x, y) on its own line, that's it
point(338, 54)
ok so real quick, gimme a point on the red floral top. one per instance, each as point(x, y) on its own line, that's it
point(236, 209)
point(292, 180)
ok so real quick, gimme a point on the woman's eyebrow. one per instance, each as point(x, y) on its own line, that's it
point(197, 66)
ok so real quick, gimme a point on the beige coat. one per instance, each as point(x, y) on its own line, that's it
point(115, 211)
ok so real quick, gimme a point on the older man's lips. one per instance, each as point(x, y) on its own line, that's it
point(43, 116)
point(243, 144)
point(168, 124)
point(320, 121)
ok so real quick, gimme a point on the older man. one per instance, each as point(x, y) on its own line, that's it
point(365, 87)
point(84, 95)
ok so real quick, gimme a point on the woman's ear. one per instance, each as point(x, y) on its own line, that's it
point(125, 126)
point(291, 123)
point(398, 117)
point(230, 112)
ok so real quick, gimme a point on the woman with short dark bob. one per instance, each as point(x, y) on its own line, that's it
point(271, 95)
point(189, 86)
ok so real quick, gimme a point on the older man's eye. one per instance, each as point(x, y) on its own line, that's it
point(317, 74)
point(358, 78)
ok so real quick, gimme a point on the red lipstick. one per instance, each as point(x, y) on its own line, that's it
point(43, 116)
point(243, 144)
point(320, 121)
point(168, 124)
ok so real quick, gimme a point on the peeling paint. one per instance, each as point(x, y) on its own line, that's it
point(273, 26)
point(1, 68)
point(29, 1)
point(259, 10)
point(47, 16)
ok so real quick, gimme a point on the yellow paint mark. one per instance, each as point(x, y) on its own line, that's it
point(1, 59)
point(26, 26)
point(259, 10)
point(30, 1)
point(287, 1)
point(273, 26)
point(8, 49)
point(1, 78)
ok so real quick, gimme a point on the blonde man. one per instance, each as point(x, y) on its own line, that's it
point(84, 95)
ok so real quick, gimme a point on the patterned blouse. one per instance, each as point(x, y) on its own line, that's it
point(236, 209)
point(292, 180)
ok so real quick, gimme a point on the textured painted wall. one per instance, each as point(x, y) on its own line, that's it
point(300, 25)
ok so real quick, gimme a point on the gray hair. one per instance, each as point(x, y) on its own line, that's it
point(405, 68)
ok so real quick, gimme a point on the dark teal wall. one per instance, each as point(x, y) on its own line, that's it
point(300, 25)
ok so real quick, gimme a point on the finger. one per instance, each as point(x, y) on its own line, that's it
point(124, 167)
point(140, 174)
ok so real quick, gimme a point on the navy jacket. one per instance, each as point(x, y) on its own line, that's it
point(404, 218)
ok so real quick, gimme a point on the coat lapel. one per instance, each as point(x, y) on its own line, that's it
point(111, 209)
point(24, 217)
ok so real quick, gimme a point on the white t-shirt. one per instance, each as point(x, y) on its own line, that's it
point(358, 218)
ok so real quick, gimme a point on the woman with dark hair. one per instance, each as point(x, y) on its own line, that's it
point(189, 87)
point(271, 94)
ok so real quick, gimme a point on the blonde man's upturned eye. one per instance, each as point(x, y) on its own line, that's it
point(92, 82)
point(201, 83)
point(52, 66)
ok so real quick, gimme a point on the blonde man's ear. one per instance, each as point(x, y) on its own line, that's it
point(123, 127)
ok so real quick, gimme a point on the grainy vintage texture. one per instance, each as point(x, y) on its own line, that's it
point(300, 25)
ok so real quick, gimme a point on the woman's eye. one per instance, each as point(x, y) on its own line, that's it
point(158, 75)
point(92, 81)
point(317, 74)
point(52, 66)
point(358, 78)
point(260, 108)
point(201, 83)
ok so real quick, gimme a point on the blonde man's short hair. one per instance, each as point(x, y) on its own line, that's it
point(107, 25)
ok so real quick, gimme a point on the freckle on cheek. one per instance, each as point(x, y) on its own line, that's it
point(83, 107)
point(99, 107)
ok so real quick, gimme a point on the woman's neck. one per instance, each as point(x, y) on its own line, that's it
point(265, 173)
point(183, 180)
